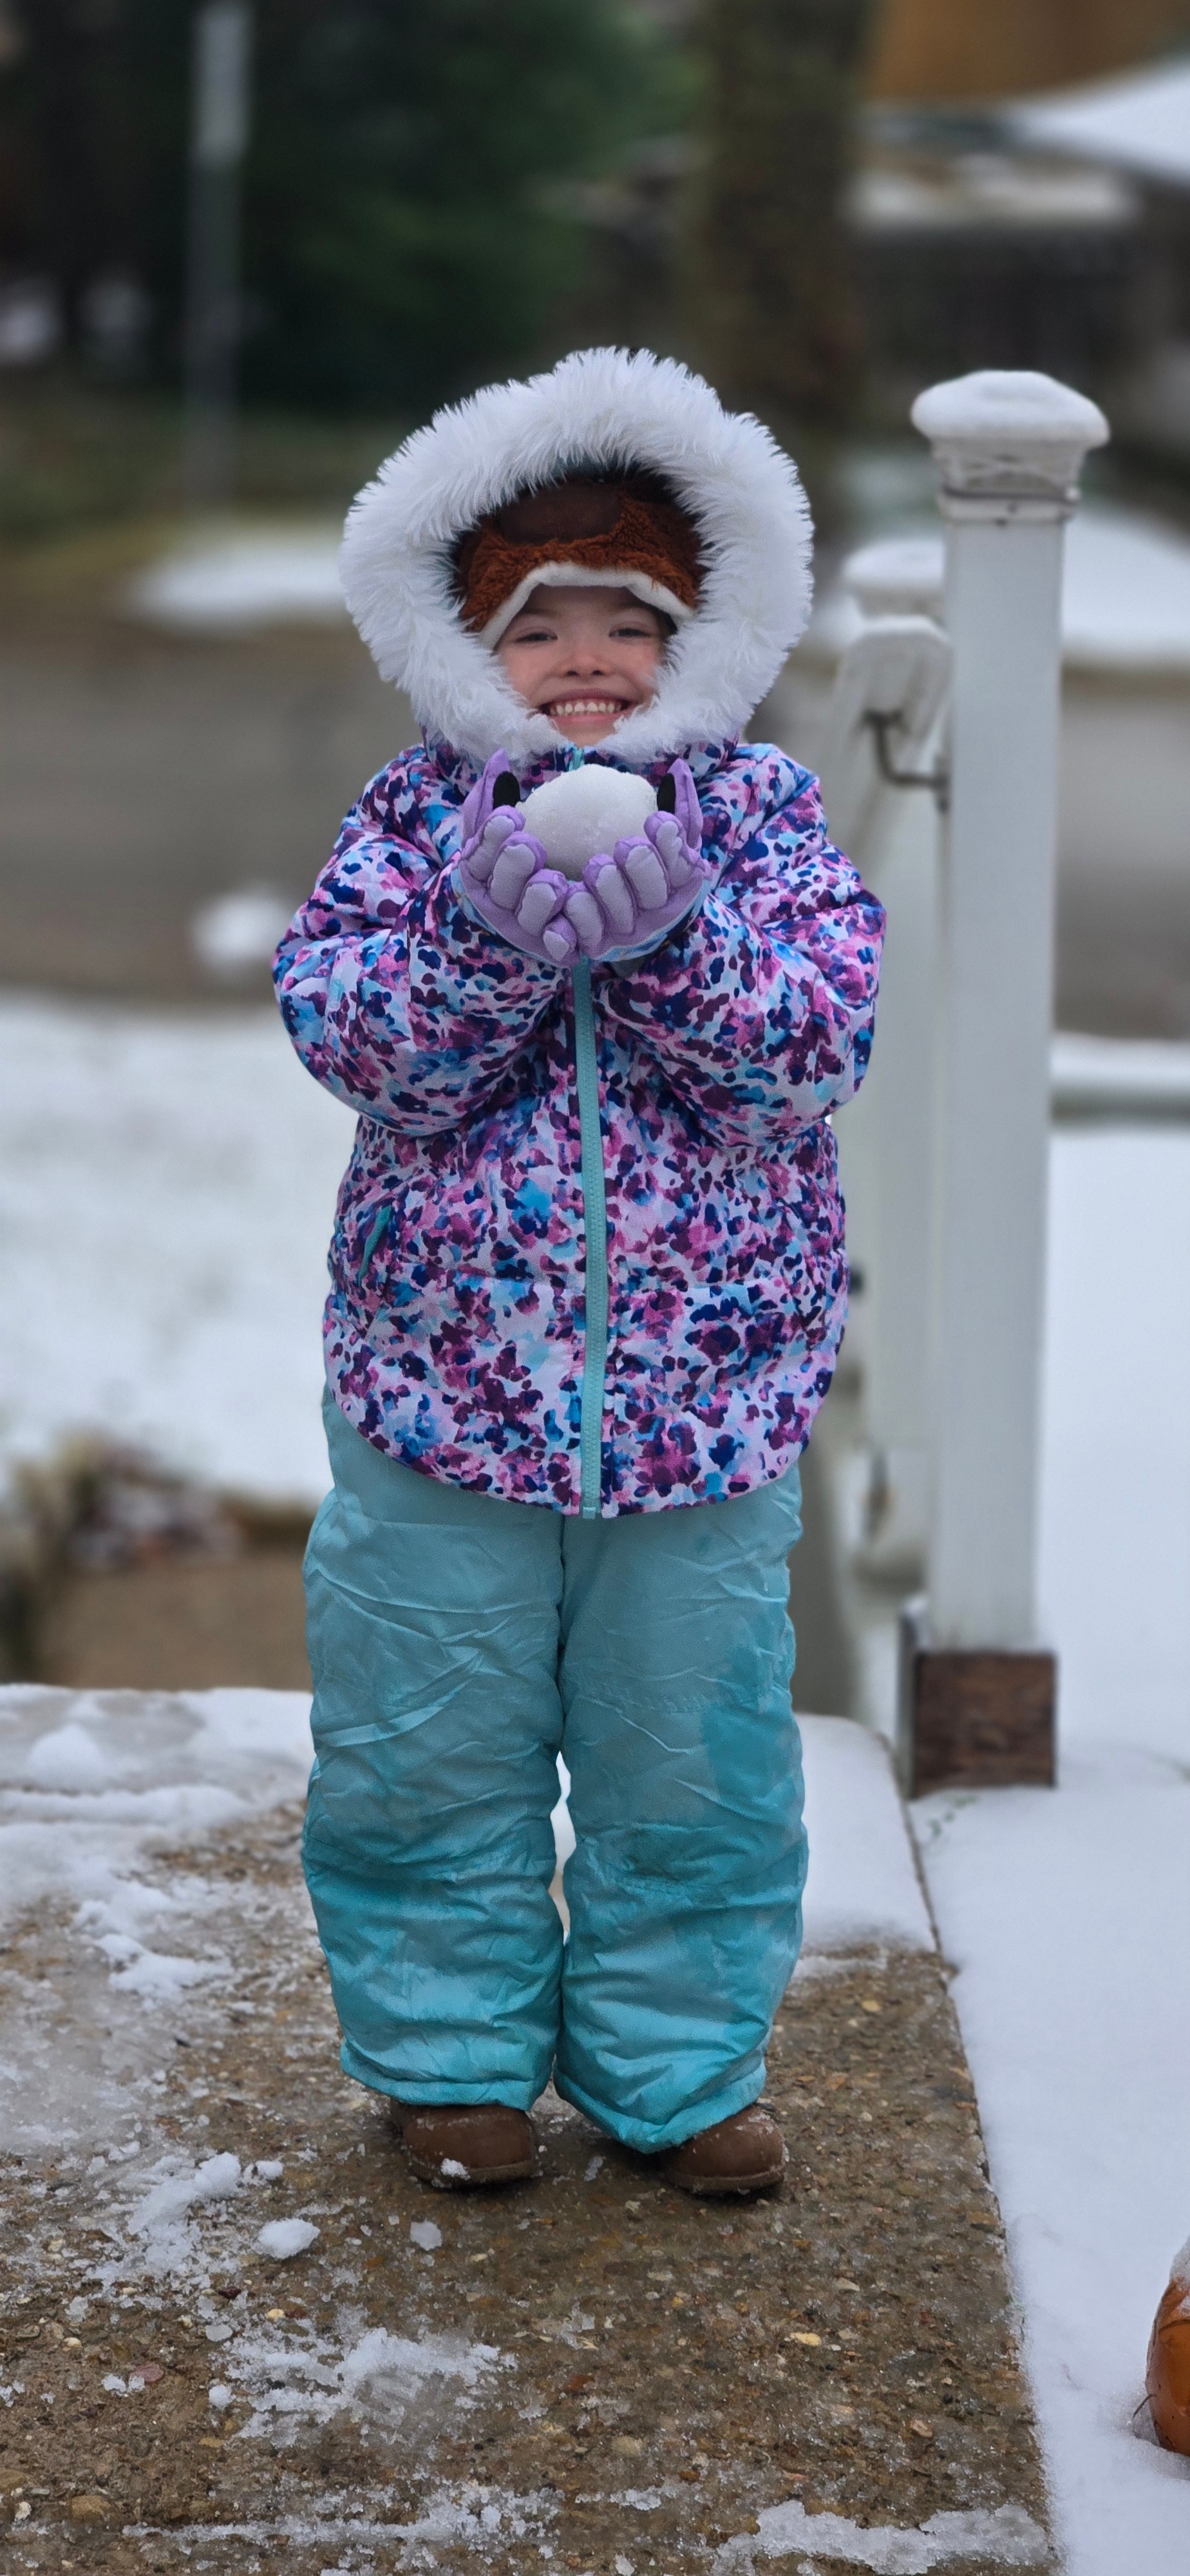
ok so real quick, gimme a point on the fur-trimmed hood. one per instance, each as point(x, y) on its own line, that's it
point(606, 409)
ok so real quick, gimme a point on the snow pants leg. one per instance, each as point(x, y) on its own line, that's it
point(458, 1644)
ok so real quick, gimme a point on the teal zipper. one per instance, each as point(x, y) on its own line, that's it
point(586, 1074)
point(373, 1239)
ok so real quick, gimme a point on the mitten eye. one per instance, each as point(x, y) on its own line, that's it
point(667, 794)
point(507, 790)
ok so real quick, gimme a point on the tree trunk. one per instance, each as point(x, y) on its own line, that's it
point(72, 230)
point(773, 301)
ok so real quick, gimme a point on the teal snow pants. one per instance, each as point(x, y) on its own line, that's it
point(458, 1644)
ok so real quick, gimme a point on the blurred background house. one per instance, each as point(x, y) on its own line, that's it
point(825, 203)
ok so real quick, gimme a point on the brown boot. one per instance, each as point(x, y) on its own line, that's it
point(745, 2153)
point(456, 2145)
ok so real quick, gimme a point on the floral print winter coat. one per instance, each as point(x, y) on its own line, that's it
point(455, 1326)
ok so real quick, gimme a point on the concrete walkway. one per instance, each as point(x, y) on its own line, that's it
point(588, 2373)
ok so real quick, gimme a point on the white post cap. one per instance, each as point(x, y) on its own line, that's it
point(1009, 443)
point(897, 577)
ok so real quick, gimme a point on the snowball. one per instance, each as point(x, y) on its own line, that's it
point(69, 1759)
point(285, 2236)
point(423, 2232)
point(586, 811)
point(266, 2169)
point(219, 2396)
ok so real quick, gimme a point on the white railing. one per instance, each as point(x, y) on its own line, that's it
point(954, 1149)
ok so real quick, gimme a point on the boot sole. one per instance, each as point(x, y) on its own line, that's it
point(726, 2186)
point(523, 2170)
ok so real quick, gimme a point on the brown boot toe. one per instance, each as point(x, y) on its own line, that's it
point(459, 2145)
point(745, 2153)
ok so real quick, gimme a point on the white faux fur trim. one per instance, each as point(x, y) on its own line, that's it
point(604, 407)
point(555, 576)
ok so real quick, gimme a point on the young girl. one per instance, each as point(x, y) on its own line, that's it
point(588, 1282)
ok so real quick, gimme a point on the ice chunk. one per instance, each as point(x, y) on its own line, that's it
point(286, 2236)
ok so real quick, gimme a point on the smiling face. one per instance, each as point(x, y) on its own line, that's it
point(583, 657)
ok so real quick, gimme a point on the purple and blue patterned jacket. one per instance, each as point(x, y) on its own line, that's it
point(456, 1327)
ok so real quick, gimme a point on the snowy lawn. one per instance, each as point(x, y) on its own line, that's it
point(167, 1187)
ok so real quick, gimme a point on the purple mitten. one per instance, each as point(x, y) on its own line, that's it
point(633, 899)
point(504, 874)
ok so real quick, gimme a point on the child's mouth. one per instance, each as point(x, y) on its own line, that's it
point(560, 708)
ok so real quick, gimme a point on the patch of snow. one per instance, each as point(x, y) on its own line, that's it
point(469, 2516)
point(1115, 1489)
point(242, 580)
point(240, 930)
point(126, 1773)
point(424, 2233)
point(200, 1165)
point(382, 2374)
point(998, 410)
point(863, 1885)
point(217, 2179)
point(1126, 593)
point(1125, 590)
point(1137, 120)
point(281, 2238)
point(68, 1758)
point(1008, 2537)
point(1067, 1914)
point(387, 2368)
point(219, 2396)
point(1141, 1078)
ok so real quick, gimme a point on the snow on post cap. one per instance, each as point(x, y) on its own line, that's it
point(897, 576)
point(1009, 436)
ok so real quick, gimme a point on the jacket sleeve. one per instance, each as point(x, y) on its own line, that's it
point(760, 1013)
point(394, 996)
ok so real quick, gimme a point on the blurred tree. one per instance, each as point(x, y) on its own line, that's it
point(404, 230)
point(772, 296)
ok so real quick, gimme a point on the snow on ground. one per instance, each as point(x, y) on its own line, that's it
point(167, 1187)
point(90, 1782)
point(1067, 1915)
point(1115, 1495)
point(1125, 589)
point(863, 1885)
point(243, 578)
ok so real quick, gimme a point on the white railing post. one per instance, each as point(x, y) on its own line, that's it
point(977, 1693)
point(886, 1139)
